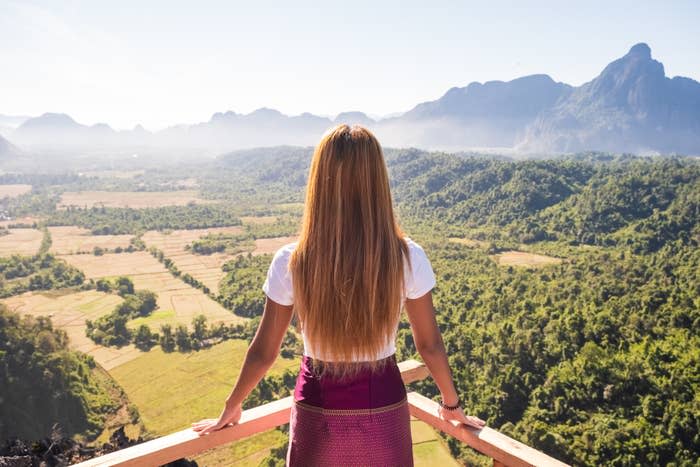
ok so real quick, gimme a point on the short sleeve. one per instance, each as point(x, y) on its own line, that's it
point(278, 284)
point(420, 278)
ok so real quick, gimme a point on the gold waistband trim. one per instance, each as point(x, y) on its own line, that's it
point(376, 410)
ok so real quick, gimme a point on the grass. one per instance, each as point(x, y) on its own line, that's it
point(428, 449)
point(246, 453)
point(173, 390)
point(158, 315)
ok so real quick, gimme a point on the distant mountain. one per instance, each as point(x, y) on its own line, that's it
point(631, 106)
point(59, 131)
point(8, 123)
point(493, 114)
point(7, 149)
point(354, 118)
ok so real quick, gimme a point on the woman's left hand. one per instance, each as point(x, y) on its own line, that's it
point(229, 416)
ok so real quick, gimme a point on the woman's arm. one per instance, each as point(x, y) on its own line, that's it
point(426, 335)
point(260, 356)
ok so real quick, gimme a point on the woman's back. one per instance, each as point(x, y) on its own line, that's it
point(418, 279)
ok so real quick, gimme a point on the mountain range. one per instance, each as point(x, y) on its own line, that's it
point(631, 106)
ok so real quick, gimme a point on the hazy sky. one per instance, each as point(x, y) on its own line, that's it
point(165, 62)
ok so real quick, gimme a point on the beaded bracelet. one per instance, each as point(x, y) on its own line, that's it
point(450, 407)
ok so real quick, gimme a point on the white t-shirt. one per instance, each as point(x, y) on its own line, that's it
point(418, 280)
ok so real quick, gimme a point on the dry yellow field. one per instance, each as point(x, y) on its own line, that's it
point(12, 191)
point(177, 301)
point(271, 245)
point(20, 242)
point(205, 268)
point(68, 310)
point(67, 240)
point(523, 259)
point(131, 199)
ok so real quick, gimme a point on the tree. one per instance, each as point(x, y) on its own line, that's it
point(199, 326)
point(103, 285)
point(125, 285)
point(144, 338)
point(167, 340)
point(148, 301)
point(182, 338)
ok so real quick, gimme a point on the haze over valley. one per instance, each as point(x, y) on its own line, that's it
point(631, 106)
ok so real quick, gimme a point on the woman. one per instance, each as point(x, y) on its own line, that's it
point(346, 280)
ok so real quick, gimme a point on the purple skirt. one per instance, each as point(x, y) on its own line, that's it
point(361, 420)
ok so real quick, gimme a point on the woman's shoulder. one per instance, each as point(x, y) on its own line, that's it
point(283, 253)
point(413, 246)
point(287, 249)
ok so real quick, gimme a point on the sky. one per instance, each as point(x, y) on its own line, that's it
point(160, 63)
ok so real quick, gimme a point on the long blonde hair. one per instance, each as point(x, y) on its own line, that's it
point(347, 267)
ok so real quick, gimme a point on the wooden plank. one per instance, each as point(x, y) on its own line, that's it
point(187, 443)
point(413, 370)
point(487, 441)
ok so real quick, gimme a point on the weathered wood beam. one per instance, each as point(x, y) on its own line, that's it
point(502, 449)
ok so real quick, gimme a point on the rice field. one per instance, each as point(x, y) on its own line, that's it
point(173, 390)
point(21, 242)
point(177, 301)
point(68, 240)
point(13, 191)
point(204, 268)
point(207, 268)
point(524, 259)
point(131, 199)
point(271, 245)
point(68, 310)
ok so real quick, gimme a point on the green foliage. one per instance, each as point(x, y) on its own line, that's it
point(594, 360)
point(111, 329)
point(144, 339)
point(109, 221)
point(167, 339)
point(42, 382)
point(240, 287)
point(19, 274)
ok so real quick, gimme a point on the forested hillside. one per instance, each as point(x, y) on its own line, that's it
point(595, 360)
point(45, 387)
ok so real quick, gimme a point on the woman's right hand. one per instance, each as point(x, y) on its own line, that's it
point(459, 416)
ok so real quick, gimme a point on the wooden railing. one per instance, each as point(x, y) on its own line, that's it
point(503, 450)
